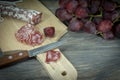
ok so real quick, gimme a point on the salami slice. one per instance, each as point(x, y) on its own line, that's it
point(52, 56)
point(30, 16)
point(29, 35)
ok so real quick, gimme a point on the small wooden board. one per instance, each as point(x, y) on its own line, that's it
point(8, 28)
point(60, 70)
point(8, 41)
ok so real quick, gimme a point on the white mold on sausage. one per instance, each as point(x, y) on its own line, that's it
point(30, 16)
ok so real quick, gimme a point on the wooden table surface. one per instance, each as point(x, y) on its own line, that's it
point(93, 58)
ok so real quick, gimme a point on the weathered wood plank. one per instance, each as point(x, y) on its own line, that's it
point(93, 57)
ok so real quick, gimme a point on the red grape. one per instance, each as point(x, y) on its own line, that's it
point(95, 4)
point(105, 26)
point(107, 15)
point(83, 3)
point(109, 5)
point(75, 25)
point(62, 14)
point(71, 6)
point(91, 16)
point(117, 30)
point(84, 20)
point(108, 35)
point(115, 14)
point(49, 31)
point(62, 3)
point(111, 15)
point(90, 27)
point(97, 20)
point(81, 12)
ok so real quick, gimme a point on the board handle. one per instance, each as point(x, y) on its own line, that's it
point(12, 58)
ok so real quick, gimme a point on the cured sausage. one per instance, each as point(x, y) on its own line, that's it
point(30, 16)
point(26, 34)
point(29, 35)
point(52, 56)
point(49, 31)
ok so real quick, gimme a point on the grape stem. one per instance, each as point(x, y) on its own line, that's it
point(118, 6)
point(117, 19)
point(99, 15)
point(91, 17)
point(96, 15)
point(99, 33)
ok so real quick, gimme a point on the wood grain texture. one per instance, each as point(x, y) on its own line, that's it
point(15, 57)
point(93, 57)
point(62, 69)
point(9, 43)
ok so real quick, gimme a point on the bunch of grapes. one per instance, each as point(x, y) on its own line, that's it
point(99, 17)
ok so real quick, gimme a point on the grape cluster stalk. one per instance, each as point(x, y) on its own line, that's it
point(99, 17)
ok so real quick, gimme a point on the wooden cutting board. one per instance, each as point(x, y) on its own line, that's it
point(60, 70)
